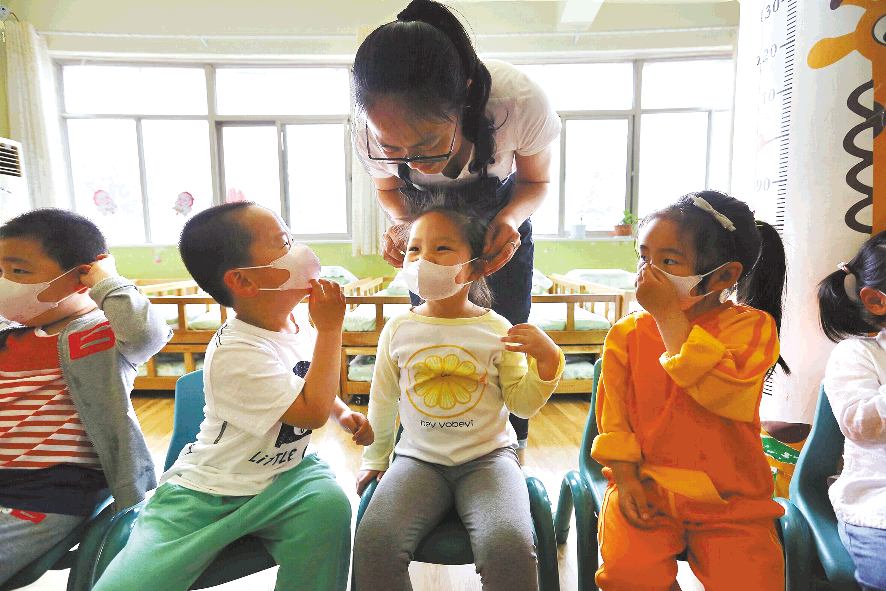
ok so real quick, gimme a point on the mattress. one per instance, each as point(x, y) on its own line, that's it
point(362, 318)
point(552, 316)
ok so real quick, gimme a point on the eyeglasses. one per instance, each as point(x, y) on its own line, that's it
point(408, 159)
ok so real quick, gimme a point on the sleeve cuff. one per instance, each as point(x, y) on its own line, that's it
point(103, 288)
point(699, 354)
point(561, 365)
point(616, 446)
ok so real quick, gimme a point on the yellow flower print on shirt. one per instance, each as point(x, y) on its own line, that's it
point(446, 381)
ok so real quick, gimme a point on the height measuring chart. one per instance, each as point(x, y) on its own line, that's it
point(805, 157)
point(775, 70)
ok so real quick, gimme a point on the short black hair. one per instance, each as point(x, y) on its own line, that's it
point(66, 237)
point(212, 243)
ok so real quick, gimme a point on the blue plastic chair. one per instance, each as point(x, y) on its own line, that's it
point(582, 490)
point(75, 551)
point(819, 460)
point(244, 557)
point(449, 543)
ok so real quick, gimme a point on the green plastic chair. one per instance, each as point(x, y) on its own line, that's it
point(75, 551)
point(819, 460)
point(448, 543)
point(244, 557)
point(582, 491)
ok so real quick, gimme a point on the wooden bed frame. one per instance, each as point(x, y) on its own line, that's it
point(606, 301)
point(188, 342)
point(185, 341)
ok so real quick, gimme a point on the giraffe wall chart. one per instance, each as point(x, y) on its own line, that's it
point(811, 81)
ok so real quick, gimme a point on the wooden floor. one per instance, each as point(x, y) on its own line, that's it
point(554, 440)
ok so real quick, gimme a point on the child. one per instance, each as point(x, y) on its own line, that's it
point(852, 304)
point(678, 404)
point(73, 334)
point(452, 369)
point(269, 380)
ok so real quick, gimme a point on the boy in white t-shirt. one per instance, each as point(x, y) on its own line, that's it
point(269, 379)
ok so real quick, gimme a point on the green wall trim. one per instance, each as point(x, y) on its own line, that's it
point(551, 256)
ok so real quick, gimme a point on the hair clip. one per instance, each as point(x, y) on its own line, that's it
point(724, 221)
point(850, 284)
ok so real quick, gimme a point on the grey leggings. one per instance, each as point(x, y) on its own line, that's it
point(491, 498)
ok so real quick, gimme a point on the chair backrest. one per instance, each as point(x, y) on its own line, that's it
point(819, 460)
point(821, 454)
point(189, 402)
point(587, 464)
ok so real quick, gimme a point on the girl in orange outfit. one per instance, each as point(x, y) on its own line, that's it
point(678, 404)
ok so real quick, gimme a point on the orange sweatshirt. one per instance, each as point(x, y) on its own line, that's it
point(691, 420)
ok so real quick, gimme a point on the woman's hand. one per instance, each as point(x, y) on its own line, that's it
point(364, 477)
point(395, 244)
point(529, 339)
point(502, 241)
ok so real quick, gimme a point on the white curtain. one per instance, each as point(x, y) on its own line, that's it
point(34, 114)
point(368, 219)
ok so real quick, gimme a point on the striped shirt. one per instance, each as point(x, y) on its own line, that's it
point(39, 424)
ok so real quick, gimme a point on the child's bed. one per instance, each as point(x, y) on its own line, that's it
point(575, 317)
point(194, 319)
point(601, 279)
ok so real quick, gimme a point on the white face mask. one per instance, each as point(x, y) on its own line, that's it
point(431, 281)
point(19, 303)
point(685, 284)
point(300, 262)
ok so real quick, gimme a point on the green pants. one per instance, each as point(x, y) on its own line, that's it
point(304, 519)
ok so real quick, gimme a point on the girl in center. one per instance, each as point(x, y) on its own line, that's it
point(452, 369)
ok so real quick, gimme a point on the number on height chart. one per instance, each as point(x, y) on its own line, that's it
point(766, 54)
point(762, 185)
point(769, 9)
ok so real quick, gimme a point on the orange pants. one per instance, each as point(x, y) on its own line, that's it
point(724, 555)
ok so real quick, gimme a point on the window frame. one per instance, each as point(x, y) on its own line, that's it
point(215, 124)
point(634, 115)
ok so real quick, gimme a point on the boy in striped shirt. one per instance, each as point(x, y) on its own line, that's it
point(72, 332)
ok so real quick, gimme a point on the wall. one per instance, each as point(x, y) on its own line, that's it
point(550, 256)
point(292, 30)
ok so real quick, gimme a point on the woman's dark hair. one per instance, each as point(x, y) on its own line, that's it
point(841, 315)
point(212, 243)
point(473, 231)
point(754, 244)
point(425, 59)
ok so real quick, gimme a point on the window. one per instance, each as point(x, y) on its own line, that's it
point(633, 147)
point(149, 146)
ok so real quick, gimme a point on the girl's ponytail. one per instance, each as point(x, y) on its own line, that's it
point(476, 126)
point(763, 288)
point(840, 310)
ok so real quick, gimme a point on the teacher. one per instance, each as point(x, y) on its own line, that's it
point(437, 125)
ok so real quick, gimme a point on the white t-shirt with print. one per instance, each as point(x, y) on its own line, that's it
point(525, 124)
point(249, 380)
